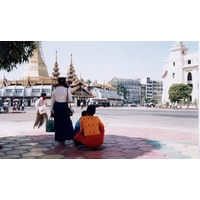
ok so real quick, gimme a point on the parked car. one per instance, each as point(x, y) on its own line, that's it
point(151, 104)
point(133, 105)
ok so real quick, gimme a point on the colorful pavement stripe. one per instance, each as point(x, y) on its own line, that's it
point(120, 143)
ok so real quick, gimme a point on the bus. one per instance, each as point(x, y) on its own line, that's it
point(98, 102)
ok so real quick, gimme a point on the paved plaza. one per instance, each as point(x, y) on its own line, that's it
point(133, 133)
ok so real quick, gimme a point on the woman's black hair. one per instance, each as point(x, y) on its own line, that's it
point(91, 109)
point(62, 80)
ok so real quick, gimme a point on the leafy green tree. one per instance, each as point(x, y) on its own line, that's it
point(88, 81)
point(143, 100)
point(15, 52)
point(121, 89)
point(179, 92)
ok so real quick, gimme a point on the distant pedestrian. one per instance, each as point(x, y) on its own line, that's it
point(41, 115)
point(6, 103)
point(14, 105)
point(6, 106)
point(23, 105)
point(18, 106)
point(82, 105)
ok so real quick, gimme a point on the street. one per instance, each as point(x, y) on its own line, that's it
point(183, 120)
point(150, 117)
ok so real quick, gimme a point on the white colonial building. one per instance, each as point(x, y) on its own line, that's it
point(181, 67)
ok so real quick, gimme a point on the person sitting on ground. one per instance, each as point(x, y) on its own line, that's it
point(77, 125)
point(91, 133)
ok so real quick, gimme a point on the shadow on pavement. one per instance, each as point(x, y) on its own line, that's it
point(44, 147)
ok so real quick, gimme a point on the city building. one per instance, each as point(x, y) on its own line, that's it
point(151, 90)
point(133, 87)
point(181, 67)
point(157, 91)
point(106, 91)
point(143, 93)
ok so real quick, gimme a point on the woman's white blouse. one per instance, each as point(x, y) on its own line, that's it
point(60, 95)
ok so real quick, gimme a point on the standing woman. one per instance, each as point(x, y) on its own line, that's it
point(59, 110)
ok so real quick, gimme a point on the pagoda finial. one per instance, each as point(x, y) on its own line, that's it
point(56, 62)
point(71, 59)
point(55, 72)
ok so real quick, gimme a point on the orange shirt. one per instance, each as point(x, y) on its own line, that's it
point(89, 125)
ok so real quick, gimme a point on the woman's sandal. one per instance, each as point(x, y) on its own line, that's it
point(60, 143)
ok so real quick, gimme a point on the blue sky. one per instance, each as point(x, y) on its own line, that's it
point(102, 61)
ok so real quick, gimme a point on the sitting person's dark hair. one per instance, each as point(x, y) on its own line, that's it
point(91, 109)
point(84, 113)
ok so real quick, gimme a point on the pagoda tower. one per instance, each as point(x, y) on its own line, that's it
point(55, 72)
point(36, 67)
point(71, 76)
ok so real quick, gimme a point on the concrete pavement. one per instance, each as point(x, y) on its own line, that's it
point(121, 142)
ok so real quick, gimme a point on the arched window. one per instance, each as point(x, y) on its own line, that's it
point(189, 78)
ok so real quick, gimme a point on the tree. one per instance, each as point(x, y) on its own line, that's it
point(179, 92)
point(153, 100)
point(143, 100)
point(121, 89)
point(15, 52)
point(88, 82)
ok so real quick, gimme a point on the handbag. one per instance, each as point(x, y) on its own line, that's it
point(50, 125)
point(69, 109)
